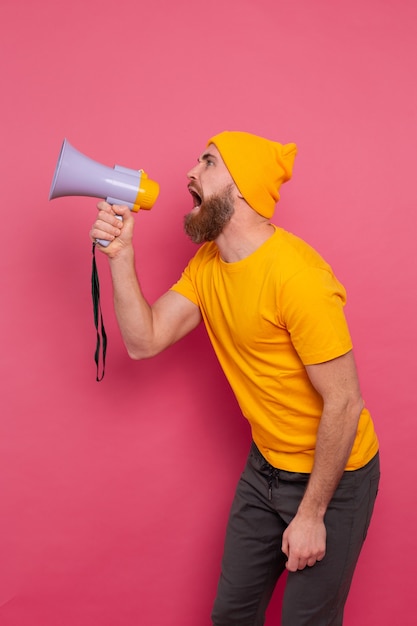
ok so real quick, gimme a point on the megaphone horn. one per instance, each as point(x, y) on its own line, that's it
point(78, 175)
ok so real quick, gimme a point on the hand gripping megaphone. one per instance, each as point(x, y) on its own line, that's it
point(78, 175)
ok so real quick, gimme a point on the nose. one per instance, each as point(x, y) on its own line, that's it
point(192, 174)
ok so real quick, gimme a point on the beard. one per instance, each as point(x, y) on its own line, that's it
point(213, 215)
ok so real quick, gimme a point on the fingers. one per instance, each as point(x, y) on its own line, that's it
point(109, 222)
point(296, 562)
point(103, 229)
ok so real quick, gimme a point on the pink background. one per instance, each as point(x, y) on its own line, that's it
point(114, 495)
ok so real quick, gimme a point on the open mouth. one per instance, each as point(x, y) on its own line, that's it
point(197, 199)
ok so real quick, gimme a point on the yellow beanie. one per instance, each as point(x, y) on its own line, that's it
point(257, 165)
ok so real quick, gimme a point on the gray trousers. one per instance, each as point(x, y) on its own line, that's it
point(266, 500)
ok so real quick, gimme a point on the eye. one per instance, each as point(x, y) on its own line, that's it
point(209, 160)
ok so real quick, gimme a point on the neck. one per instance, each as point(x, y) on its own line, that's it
point(244, 234)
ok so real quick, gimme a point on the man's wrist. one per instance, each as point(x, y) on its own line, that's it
point(312, 509)
point(121, 254)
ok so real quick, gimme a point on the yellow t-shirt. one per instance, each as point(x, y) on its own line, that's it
point(267, 316)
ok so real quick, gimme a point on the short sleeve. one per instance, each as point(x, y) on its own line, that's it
point(185, 285)
point(311, 306)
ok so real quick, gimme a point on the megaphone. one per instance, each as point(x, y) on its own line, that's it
point(78, 175)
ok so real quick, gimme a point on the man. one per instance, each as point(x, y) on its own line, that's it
point(274, 312)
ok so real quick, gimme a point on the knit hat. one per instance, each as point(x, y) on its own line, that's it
point(257, 165)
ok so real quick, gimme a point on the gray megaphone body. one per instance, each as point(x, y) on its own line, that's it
point(78, 175)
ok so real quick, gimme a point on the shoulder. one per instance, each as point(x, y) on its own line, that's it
point(296, 252)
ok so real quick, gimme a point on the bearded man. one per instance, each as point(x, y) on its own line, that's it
point(273, 309)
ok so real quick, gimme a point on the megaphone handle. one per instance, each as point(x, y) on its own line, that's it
point(104, 242)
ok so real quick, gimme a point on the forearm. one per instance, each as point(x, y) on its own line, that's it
point(133, 312)
point(335, 437)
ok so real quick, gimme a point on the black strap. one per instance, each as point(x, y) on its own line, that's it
point(98, 320)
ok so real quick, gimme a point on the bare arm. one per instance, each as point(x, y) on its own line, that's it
point(304, 541)
point(146, 330)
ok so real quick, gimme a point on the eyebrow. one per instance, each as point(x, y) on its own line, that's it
point(206, 156)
